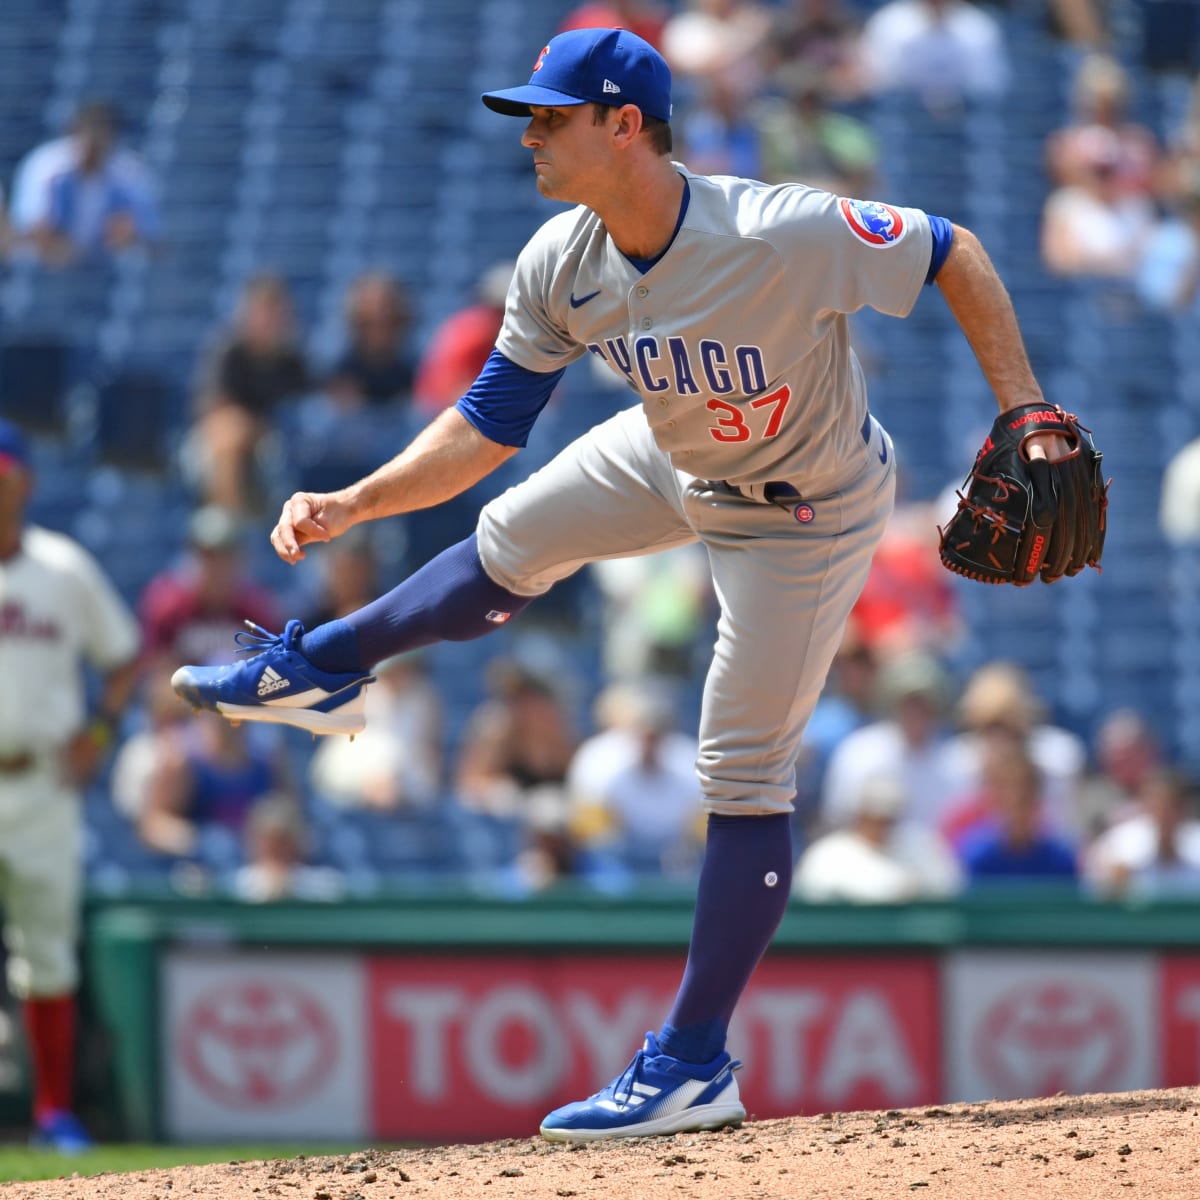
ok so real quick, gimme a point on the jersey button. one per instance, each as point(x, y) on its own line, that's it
point(647, 323)
point(643, 292)
point(670, 424)
point(663, 402)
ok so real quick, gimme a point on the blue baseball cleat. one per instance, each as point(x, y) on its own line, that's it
point(655, 1094)
point(279, 685)
point(61, 1132)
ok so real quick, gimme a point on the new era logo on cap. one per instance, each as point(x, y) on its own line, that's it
point(600, 66)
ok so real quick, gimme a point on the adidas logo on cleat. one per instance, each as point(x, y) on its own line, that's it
point(270, 681)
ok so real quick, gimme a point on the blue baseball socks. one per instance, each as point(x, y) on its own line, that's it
point(450, 599)
point(745, 884)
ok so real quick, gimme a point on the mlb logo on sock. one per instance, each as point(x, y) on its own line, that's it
point(497, 617)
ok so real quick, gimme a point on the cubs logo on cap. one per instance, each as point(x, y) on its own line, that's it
point(592, 66)
point(873, 222)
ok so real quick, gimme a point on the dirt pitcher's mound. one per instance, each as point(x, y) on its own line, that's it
point(1085, 1147)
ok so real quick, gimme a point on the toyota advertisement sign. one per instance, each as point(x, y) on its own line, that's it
point(392, 1047)
point(264, 1045)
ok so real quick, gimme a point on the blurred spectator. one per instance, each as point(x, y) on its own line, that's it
point(333, 434)
point(276, 849)
point(656, 612)
point(879, 858)
point(1155, 853)
point(1000, 710)
point(909, 601)
point(1012, 842)
point(1080, 22)
point(943, 51)
point(137, 757)
point(1168, 273)
point(720, 41)
point(800, 139)
point(1126, 752)
point(1091, 227)
point(643, 17)
point(847, 703)
point(547, 854)
point(910, 744)
point(396, 762)
point(254, 369)
point(1179, 501)
point(518, 742)
point(815, 38)
point(717, 135)
point(191, 612)
point(375, 367)
point(461, 344)
point(348, 570)
point(632, 788)
point(83, 195)
point(1184, 146)
point(208, 776)
point(1100, 101)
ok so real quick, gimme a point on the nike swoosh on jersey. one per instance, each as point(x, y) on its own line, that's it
point(584, 299)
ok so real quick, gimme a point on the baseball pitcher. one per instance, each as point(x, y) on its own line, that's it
point(721, 303)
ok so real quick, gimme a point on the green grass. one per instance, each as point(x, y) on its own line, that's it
point(21, 1162)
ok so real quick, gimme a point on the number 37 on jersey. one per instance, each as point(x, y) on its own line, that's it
point(654, 367)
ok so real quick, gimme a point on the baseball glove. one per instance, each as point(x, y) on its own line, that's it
point(1019, 517)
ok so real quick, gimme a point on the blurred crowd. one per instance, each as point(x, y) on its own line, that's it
point(916, 780)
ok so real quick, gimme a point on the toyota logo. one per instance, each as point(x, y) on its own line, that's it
point(1053, 1037)
point(257, 1044)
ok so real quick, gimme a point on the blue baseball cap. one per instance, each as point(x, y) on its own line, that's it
point(592, 66)
point(14, 450)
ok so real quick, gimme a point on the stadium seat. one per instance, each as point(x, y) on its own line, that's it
point(34, 376)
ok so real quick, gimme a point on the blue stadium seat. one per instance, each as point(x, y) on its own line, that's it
point(34, 376)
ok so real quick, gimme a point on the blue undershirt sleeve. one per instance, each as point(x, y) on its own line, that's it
point(943, 235)
point(505, 399)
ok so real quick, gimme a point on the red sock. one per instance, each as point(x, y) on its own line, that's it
point(50, 1028)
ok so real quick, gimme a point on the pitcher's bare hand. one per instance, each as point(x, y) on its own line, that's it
point(309, 517)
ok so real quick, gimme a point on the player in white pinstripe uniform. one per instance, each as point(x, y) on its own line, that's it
point(58, 614)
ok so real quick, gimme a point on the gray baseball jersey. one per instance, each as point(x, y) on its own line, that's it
point(737, 346)
point(736, 341)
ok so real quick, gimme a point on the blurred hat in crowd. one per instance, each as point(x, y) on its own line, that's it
point(214, 528)
point(1099, 80)
point(914, 674)
point(493, 283)
point(14, 450)
point(638, 707)
point(880, 796)
point(1000, 693)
